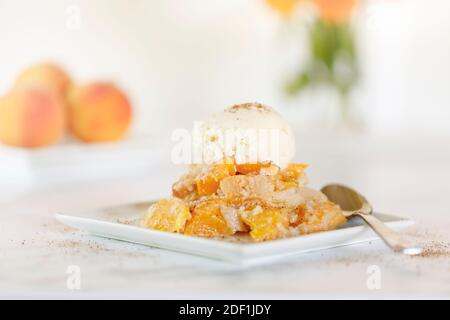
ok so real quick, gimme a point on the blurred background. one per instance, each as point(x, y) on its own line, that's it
point(343, 72)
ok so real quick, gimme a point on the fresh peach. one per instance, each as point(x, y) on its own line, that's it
point(31, 118)
point(45, 75)
point(99, 112)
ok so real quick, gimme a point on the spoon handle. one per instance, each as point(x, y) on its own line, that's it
point(390, 237)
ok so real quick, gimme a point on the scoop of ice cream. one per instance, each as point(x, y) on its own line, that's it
point(249, 133)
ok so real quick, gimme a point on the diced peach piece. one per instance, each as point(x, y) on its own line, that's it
point(293, 171)
point(208, 221)
point(208, 183)
point(266, 224)
point(325, 216)
point(246, 168)
point(167, 215)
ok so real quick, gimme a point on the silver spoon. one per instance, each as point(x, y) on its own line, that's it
point(354, 204)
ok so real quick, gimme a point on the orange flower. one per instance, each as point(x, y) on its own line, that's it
point(335, 11)
point(285, 7)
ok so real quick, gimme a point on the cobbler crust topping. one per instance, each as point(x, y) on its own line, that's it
point(258, 199)
point(248, 106)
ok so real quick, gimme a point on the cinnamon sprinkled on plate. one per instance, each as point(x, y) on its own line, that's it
point(436, 249)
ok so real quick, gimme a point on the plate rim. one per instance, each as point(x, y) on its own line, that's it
point(240, 248)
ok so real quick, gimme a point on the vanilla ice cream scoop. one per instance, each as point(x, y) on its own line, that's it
point(249, 133)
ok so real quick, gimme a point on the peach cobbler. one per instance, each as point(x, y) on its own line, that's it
point(263, 199)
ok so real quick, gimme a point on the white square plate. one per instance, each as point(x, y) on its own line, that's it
point(120, 223)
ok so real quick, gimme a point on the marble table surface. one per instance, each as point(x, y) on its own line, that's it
point(399, 176)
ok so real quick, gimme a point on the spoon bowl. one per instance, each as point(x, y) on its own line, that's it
point(354, 204)
point(348, 199)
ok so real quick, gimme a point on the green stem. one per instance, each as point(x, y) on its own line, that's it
point(345, 106)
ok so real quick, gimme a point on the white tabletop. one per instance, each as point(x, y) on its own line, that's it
point(401, 177)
